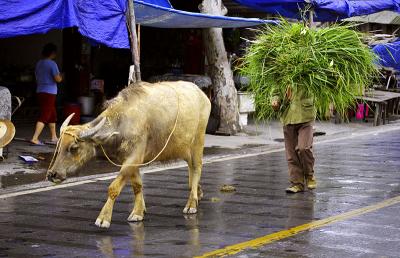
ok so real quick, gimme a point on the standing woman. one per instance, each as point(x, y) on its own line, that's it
point(47, 77)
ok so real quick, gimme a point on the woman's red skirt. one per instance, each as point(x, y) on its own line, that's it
point(47, 103)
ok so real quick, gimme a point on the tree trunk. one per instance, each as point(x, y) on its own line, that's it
point(220, 71)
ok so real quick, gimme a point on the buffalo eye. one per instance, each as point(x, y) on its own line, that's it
point(73, 148)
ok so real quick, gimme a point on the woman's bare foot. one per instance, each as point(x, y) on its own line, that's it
point(36, 142)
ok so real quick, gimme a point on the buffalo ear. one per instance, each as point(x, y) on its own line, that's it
point(105, 136)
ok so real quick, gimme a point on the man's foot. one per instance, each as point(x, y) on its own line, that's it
point(311, 182)
point(296, 188)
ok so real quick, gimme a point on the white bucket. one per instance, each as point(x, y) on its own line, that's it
point(246, 102)
point(243, 118)
point(87, 105)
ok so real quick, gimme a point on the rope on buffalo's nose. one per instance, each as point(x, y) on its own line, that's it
point(55, 153)
point(162, 150)
point(58, 146)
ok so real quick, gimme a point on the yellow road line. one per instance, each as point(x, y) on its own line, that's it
point(267, 239)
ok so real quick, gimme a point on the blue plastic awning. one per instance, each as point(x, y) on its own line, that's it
point(325, 10)
point(162, 3)
point(162, 17)
point(389, 54)
point(103, 21)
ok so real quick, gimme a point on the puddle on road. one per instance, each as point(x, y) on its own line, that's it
point(213, 150)
point(97, 166)
point(20, 177)
point(217, 150)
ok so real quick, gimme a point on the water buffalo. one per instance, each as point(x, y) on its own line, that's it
point(140, 120)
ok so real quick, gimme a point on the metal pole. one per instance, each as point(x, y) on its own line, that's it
point(134, 40)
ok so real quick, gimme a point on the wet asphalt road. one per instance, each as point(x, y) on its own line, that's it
point(351, 173)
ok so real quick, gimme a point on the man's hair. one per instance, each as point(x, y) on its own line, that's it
point(49, 49)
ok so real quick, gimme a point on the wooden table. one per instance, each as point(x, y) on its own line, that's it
point(381, 99)
point(396, 102)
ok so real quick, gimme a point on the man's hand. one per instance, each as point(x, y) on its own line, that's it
point(275, 105)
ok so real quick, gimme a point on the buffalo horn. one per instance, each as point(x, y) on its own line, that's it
point(93, 130)
point(66, 122)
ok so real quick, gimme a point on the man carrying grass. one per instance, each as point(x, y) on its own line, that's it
point(298, 116)
point(295, 71)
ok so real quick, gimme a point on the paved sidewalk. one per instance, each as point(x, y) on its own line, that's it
point(271, 133)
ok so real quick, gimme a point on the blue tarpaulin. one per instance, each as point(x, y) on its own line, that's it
point(325, 10)
point(161, 17)
point(102, 21)
point(389, 54)
point(162, 3)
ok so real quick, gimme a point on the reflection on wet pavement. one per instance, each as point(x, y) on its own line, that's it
point(17, 173)
point(352, 174)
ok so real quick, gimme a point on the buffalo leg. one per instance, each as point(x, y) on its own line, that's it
point(139, 207)
point(104, 218)
point(195, 165)
point(191, 174)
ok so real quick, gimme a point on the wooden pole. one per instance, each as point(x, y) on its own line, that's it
point(310, 9)
point(139, 40)
point(311, 18)
point(134, 40)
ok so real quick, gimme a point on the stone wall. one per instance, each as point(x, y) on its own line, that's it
point(5, 103)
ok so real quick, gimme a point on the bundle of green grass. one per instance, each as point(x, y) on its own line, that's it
point(331, 64)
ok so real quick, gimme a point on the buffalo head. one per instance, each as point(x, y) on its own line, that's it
point(77, 145)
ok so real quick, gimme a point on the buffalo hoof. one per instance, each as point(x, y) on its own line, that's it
point(135, 218)
point(190, 210)
point(102, 223)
